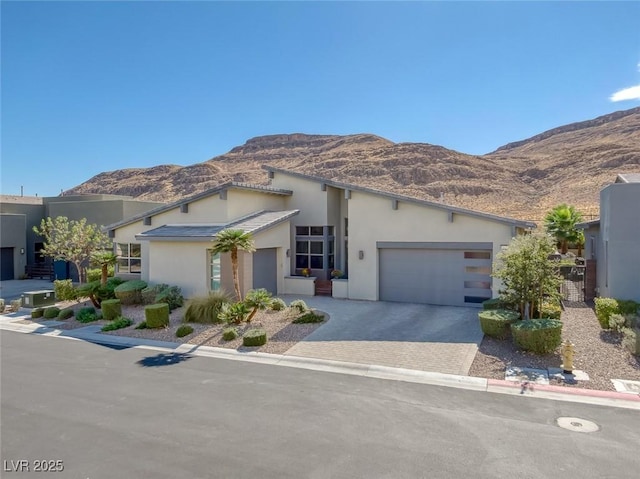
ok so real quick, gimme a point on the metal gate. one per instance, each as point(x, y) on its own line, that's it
point(572, 286)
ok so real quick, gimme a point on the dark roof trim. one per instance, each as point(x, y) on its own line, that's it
point(198, 196)
point(587, 224)
point(408, 199)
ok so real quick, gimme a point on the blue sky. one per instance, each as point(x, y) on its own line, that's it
point(89, 86)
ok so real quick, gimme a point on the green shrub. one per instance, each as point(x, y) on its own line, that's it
point(37, 313)
point(540, 336)
point(16, 304)
point(51, 312)
point(309, 317)
point(617, 322)
point(628, 307)
point(496, 322)
point(551, 310)
point(118, 323)
point(86, 315)
point(229, 334)
point(205, 309)
point(278, 304)
point(631, 340)
point(605, 307)
point(254, 337)
point(130, 292)
point(65, 291)
point(300, 305)
point(65, 313)
point(149, 294)
point(142, 325)
point(172, 295)
point(234, 313)
point(493, 303)
point(95, 274)
point(157, 315)
point(184, 330)
point(111, 309)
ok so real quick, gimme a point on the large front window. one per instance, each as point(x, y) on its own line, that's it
point(314, 248)
point(129, 258)
point(214, 272)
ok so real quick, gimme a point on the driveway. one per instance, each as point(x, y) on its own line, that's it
point(14, 288)
point(441, 339)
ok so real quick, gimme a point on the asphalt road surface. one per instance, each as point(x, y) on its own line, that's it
point(98, 412)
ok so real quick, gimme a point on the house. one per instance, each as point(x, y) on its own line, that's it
point(613, 241)
point(20, 246)
point(390, 247)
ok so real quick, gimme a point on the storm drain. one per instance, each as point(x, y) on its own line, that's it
point(577, 424)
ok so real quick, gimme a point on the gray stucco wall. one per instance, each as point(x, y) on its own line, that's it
point(13, 235)
point(619, 261)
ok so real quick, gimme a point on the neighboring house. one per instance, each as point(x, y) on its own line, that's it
point(613, 241)
point(20, 246)
point(391, 247)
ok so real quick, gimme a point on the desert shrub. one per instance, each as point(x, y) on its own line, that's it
point(65, 313)
point(627, 307)
point(149, 294)
point(64, 289)
point(172, 295)
point(229, 334)
point(111, 309)
point(37, 313)
point(16, 304)
point(277, 304)
point(309, 317)
point(257, 299)
point(540, 336)
point(130, 292)
point(300, 305)
point(234, 313)
point(496, 322)
point(118, 323)
point(142, 325)
point(157, 315)
point(617, 322)
point(605, 307)
point(205, 309)
point(184, 330)
point(254, 337)
point(51, 312)
point(493, 303)
point(551, 310)
point(631, 341)
point(1, 305)
point(86, 315)
point(95, 274)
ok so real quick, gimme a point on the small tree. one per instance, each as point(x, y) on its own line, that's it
point(231, 241)
point(561, 222)
point(527, 274)
point(71, 240)
point(103, 259)
point(257, 299)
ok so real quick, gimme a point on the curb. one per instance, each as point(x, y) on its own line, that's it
point(495, 386)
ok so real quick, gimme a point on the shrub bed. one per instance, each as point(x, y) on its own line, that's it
point(309, 318)
point(64, 289)
point(184, 330)
point(157, 315)
point(496, 322)
point(86, 315)
point(118, 323)
point(540, 336)
point(254, 337)
point(130, 292)
point(111, 309)
point(606, 307)
point(51, 312)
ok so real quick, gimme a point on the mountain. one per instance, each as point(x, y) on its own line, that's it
point(522, 179)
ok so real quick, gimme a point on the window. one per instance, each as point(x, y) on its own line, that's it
point(129, 258)
point(313, 245)
point(478, 269)
point(214, 272)
point(477, 255)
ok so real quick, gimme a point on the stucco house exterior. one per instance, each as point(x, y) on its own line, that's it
point(613, 241)
point(389, 247)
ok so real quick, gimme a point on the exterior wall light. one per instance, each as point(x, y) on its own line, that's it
point(360, 254)
point(21, 250)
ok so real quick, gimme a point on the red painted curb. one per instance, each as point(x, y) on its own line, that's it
point(566, 390)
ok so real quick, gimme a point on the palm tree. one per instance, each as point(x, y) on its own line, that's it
point(104, 259)
point(560, 222)
point(231, 241)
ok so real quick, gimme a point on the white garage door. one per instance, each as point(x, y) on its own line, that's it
point(443, 274)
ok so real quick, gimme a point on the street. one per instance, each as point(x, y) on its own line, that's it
point(103, 412)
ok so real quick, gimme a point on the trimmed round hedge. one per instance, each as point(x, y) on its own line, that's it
point(229, 334)
point(65, 313)
point(130, 292)
point(111, 309)
point(496, 322)
point(254, 337)
point(37, 313)
point(51, 312)
point(540, 336)
point(157, 315)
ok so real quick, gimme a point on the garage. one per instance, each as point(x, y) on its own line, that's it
point(451, 274)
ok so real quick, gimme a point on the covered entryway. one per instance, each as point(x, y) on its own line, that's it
point(450, 274)
point(6, 260)
point(265, 269)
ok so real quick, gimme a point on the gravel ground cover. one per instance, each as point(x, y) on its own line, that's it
point(281, 333)
point(597, 352)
